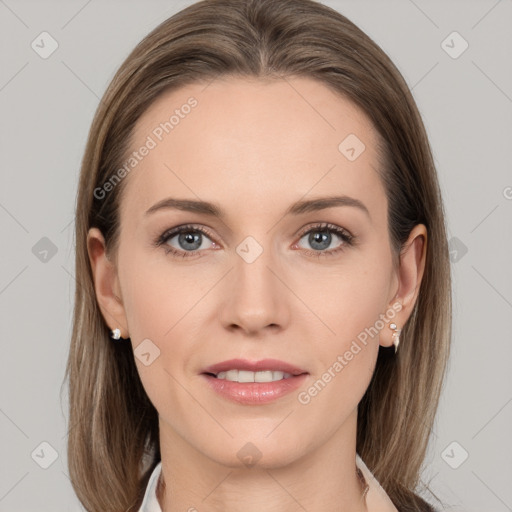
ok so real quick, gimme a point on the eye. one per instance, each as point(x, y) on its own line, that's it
point(320, 237)
point(189, 240)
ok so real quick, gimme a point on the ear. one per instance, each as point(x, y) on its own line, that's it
point(106, 283)
point(410, 274)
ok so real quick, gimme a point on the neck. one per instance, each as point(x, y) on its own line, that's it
point(324, 479)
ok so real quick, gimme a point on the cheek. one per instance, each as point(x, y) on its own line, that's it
point(349, 298)
point(351, 302)
point(162, 304)
point(351, 308)
point(155, 294)
point(156, 305)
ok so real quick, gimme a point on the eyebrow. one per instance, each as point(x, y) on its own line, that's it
point(298, 208)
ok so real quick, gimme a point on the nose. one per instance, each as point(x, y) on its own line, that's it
point(256, 298)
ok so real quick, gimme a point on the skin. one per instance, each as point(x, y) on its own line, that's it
point(255, 147)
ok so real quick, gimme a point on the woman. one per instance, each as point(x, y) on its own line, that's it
point(263, 318)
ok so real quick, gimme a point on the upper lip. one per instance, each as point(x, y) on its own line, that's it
point(254, 366)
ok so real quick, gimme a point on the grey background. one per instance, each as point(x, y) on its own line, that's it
point(47, 106)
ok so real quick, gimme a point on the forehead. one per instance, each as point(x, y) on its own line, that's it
point(252, 142)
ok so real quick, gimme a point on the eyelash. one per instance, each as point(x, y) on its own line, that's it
point(347, 238)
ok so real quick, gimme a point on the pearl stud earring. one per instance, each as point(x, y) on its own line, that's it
point(116, 334)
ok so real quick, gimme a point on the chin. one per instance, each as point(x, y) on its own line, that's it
point(257, 451)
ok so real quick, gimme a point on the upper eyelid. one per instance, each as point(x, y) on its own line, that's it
point(328, 226)
point(171, 233)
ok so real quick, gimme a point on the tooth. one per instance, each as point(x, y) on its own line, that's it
point(248, 376)
point(265, 376)
point(277, 375)
point(232, 375)
point(245, 376)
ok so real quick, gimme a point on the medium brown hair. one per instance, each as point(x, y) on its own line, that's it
point(113, 442)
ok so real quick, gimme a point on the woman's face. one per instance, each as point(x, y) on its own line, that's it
point(266, 279)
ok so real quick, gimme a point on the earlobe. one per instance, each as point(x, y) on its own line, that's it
point(106, 283)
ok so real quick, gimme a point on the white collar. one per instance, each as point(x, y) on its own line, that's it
point(150, 502)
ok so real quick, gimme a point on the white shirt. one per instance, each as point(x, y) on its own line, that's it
point(376, 497)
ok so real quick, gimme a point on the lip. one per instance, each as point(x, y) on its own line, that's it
point(254, 393)
point(254, 366)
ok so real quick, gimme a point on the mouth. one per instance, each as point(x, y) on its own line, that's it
point(254, 382)
point(243, 370)
point(248, 376)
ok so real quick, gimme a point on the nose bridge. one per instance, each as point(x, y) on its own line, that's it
point(257, 298)
point(252, 263)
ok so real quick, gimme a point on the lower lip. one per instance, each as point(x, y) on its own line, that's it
point(255, 393)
